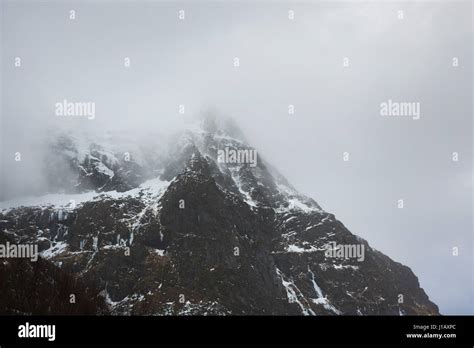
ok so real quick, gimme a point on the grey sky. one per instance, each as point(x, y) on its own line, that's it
point(282, 62)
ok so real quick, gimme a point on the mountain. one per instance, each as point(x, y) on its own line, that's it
point(200, 227)
point(38, 288)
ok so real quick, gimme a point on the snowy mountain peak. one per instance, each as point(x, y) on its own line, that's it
point(190, 218)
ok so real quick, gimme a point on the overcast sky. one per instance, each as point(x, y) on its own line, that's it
point(282, 62)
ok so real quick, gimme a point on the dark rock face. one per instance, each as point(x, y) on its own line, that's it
point(39, 288)
point(213, 238)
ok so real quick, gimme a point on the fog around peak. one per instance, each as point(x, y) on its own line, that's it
point(182, 70)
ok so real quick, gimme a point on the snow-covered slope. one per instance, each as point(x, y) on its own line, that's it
point(176, 230)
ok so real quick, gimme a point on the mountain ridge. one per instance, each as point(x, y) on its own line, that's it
point(191, 235)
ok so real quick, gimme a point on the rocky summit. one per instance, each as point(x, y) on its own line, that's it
point(180, 230)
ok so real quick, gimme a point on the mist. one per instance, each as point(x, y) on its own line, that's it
point(333, 65)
